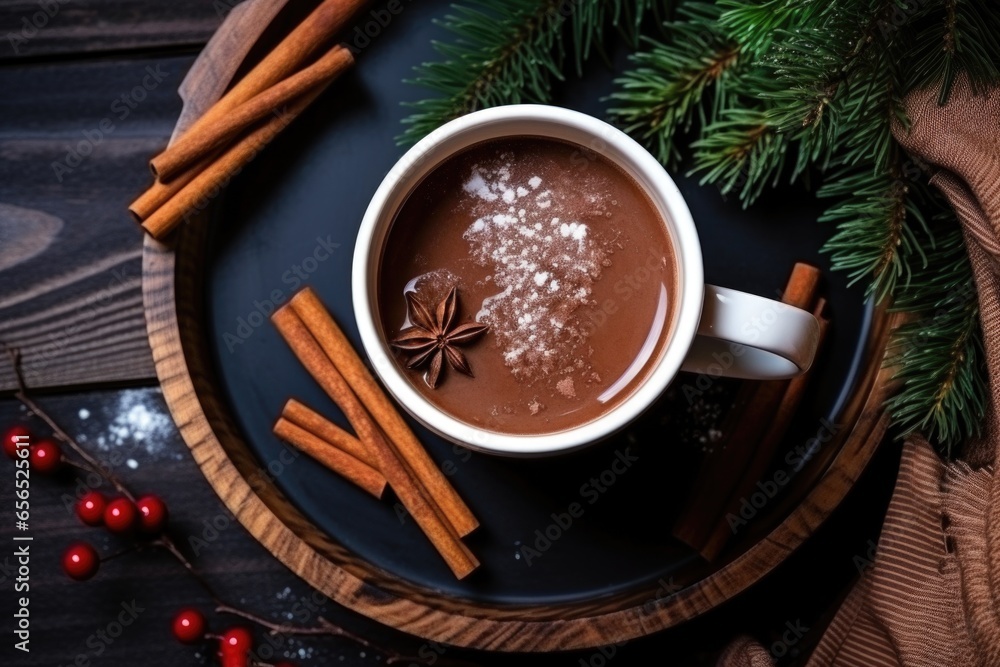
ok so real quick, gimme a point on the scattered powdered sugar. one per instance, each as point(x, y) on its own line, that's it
point(544, 266)
point(566, 387)
point(137, 420)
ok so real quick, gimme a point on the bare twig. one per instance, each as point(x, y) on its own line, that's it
point(22, 395)
point(323, 626)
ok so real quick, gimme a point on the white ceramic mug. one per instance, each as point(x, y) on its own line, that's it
point(716, 330)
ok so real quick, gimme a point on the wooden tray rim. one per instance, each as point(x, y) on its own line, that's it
point(215, 444)
point(225, 460)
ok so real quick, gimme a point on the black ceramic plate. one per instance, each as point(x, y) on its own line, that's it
point(290, 219)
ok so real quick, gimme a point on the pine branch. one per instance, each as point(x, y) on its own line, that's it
point(827, 75)
point(743, 152)
point(945, 402)
point(951, 36)
point(764, 89)
point(940, 356)
point(878, 218)
point(589, 18)
point(866, 137)
point(511, 51)
point(505, 52)
point(758, 23)
point(663, 93)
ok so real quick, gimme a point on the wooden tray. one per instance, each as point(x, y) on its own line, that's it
point(613, 575)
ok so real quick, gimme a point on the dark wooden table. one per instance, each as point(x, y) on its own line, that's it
point(87, 94)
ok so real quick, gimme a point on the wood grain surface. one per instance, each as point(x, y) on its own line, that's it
point(33, 29)
point(74, 142)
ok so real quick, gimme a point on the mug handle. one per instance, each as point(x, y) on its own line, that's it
point(746, 336)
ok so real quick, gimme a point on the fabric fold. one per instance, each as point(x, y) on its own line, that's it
point(932, 596)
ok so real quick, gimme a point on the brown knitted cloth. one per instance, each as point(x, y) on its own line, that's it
point(932, 598)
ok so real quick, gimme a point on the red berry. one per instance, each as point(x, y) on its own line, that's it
point(235, 646)
point(152, 514)
point(235, 660)
point(236, 639)
point(189, 626)
point(15, 434)
point(80, 561)
point(90, 508)
point(46, 457)
point(120, 515)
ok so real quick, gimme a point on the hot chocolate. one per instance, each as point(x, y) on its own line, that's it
point(527, 285)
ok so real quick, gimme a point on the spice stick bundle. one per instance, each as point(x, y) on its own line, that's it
point(342, 463)
point(765, 450)
point(204, 139)
point(282, 77)
point(318, 425)
point(215, 172)
point(340, 351)
point(418, 499)
point(755, 408)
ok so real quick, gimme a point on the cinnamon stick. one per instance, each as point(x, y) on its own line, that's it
point(204, 139)
point(318, 425)
point(442, 536)
point(216, 173)
point(765, 451)
point(337, 460)
point(722, 471)
point(340, 351)
point(290, 55)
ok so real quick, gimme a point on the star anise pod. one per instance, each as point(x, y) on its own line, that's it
point(434, 336)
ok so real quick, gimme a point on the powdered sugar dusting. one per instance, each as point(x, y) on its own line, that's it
point(544, 266)
point(137, 421)
point(566, 387)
